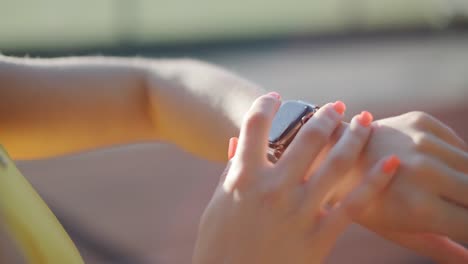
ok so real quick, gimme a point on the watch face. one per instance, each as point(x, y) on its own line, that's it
point(287, 117)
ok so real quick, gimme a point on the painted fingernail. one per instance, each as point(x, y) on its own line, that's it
point(339, 107)
point(391, 165)
point(275, 95)
point(365, 118)
point(232, 147)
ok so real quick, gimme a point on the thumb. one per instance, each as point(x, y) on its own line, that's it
point(230, 154)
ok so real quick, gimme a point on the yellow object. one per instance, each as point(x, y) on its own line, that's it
point(30, 222)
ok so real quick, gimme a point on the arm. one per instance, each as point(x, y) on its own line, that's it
point(55, 106)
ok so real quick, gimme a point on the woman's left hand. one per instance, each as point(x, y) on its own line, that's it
point(269, 213)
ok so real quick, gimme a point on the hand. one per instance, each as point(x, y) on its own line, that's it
point(430, 191)
point(269, 213)
point(429, 194)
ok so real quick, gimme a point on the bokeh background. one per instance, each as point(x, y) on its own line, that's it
point(141, 203)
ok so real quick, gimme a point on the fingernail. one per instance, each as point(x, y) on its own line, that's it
point(339, 107)
point(365, 118)
point(275, 94)
point(232, 147)
point(391, 165)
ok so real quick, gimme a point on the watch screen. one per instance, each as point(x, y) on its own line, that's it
point(289, 114)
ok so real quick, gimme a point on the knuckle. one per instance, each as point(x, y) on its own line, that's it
point(420, 118)
point(246, 174)
point(360, 134)
point(330, 113)
point(268, 100)
point(240, 176)
point(420, 207)
point(399, 198)
point(316, 132)
point(419, 163)
point(265, 103)
point(354, 210)
point(272, 195)
point(340, 160)
point(375, 183)
point(356, 141)
point(256, 120)
point(421, 140)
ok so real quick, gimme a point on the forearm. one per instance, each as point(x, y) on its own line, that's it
point(198, 106)
point(55, 106)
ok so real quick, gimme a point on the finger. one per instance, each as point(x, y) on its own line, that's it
point(332, 225)
point(231, 152)
point(232, 147)
point(310, 140)
point(451, 184)
point(450, 155)
point(441, 130)
point(359, 199)
point(450, 220)
point(342, 157)
point(439, 248)
point(224, 174)
point(253, 139)
point(448, 135)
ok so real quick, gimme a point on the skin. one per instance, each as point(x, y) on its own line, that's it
point(425, 207)
point(427, 202)
point(265, 213)
point(67, 105)
point(73, 104)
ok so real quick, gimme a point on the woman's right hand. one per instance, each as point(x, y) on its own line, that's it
point(269, 213)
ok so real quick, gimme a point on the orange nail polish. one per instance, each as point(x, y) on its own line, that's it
point(339, 107)
point(275, 94)
point(232, 147)
point(391, 165)
point(365, 118)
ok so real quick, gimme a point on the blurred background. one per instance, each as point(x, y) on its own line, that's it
point(119, 204)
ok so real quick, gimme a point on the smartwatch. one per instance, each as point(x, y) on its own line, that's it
point(289, 119)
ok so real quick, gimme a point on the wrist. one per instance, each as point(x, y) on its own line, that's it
point(196, 105)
